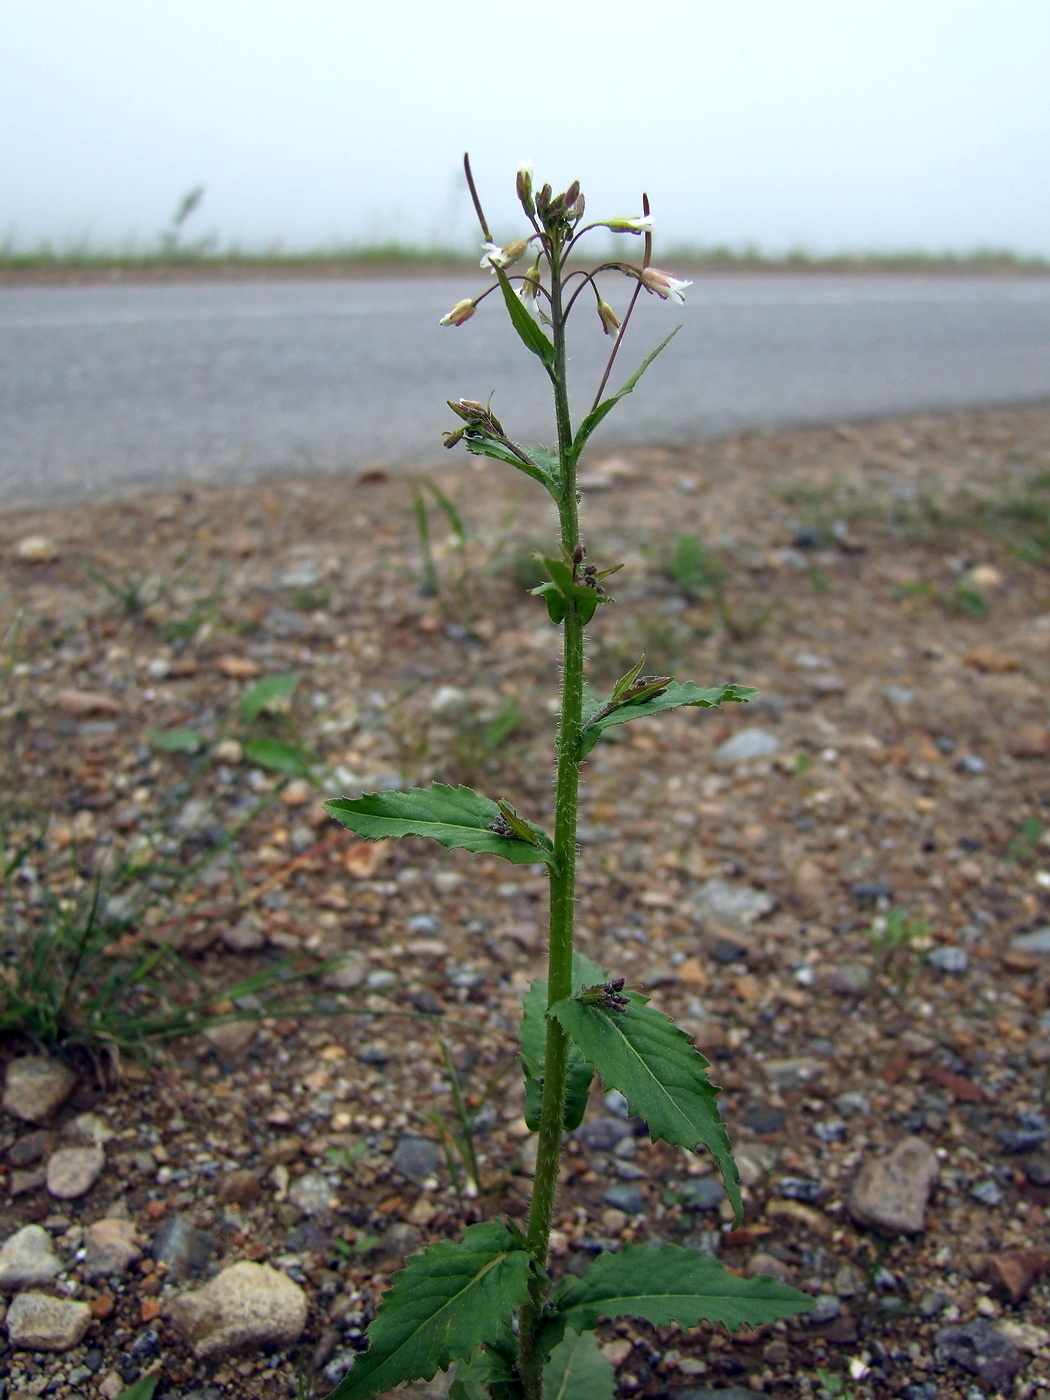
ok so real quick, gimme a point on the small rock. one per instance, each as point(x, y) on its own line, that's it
point(72, 1171)
point(726, 902)
point(729, 1392)
point(932, 1303)
point(21, 1183)
point(851, 1104)
point(1036, 942)
point(229, 751)
point(111, 1246)
point(702, 1193)
point(37, 1322)
point(761, 1263)
point(312, 1194)
point(853, 979)
point(28, 1260)
point(989, 1193)
point(85, 703)
point(753, 1162)
point(948, 958)
point(790, 1073)
point(745, 746)
point(346, 974)
point(36, 549)
point(1031, 742)
point(35, 1086)
point(449, 702)
point(799, 1188)
point(193, 816)
point(245, 936)
point(232, 1038)
point(1010, 1273)
point(762, 1119)
point(89, 1128)
point(184, 1249)
point(1037, 1170)
point(240, 1187)
point(872, 889)
point(417, 1158)
point(826, 1308)
point(112, 1386)
point(849, 1281)
point(981, 1349)
point(625, 1196)
point(244, 1308)
point(602, 1134)
point(1024, 1335)
point(30, 1147)
point(238, 668)
point(889, 1193)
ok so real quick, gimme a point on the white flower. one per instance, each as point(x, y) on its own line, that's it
point(462, 311)
point(493, 256)
point(643, 223)
point(609, 319)
point(654, 279)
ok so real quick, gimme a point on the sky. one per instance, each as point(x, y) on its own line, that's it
point(828, 125)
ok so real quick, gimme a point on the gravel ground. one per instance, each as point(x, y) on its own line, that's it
point(838, 889)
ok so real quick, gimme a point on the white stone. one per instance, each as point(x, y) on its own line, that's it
point(72, 1171)
point(244, 1308)
point(36, 549)
point(37, 1322)
point(110, 1246)
point(745, 746)
point(28, 1260)
point(35, 1085)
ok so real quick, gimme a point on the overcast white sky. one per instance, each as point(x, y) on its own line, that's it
point(830, 124)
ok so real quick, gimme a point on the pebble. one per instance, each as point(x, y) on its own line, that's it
point(37, 1322)
point(245, 936)
point(347, 973)
point(89, 1128)
point(729, 1392)
point(826, 1308)
point(183, 1248)
point(849, 1281)
point(28, 1260)
point(35, 1086)
point(753, 1162)
point(401, 1239)
point(790, 1073)
point(727, 902)
point(625, 1196)
point(244, 1308)
point(36, 549)
point(232, 1037)
point(312, 1194)
point(1025, 1336)
point(988, 1193)
point(702, 1193)
point(602, 1134)
point(1036, 942)
point(1013, 1272)
point(30, 1147)
point(72, 1171)
point(851, 1104)
point(854, 979)
point(762, 1263)
point(240, 1187)
point(417, 1158)
point(981, 1349)
point(85, 703)
point(110, 1247)
point(948, 958)
point(761, 1119)
point(799, 1188)
point(889, 1193)
point(745, 746)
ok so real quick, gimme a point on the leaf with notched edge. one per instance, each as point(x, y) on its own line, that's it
point(534, 1049)
point(671, 697)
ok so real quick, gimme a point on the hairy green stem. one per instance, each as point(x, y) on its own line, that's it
point(563, 874)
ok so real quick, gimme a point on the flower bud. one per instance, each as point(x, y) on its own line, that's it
point(462, 311)
point(667, 287)
point(530, 285)
point(543, 199)
point(493, 257)
point(512, 252)
point(450, 439)
point(609, 319)
point(642, 224)
point(576, 212)
point(572, 194)
point(524, 187)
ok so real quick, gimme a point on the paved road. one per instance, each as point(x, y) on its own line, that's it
point(106, 388)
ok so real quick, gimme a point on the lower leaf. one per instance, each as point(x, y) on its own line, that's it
point(577, 1370)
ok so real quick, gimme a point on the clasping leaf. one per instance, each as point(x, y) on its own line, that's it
point(534, 1049)
point(452, 816)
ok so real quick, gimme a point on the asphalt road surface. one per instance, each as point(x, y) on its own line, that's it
point(104, 389)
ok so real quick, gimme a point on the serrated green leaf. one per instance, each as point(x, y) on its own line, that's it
point(488, 1375)
point(533, 1039)
point(175, 740)
point(142, 1389)
point(270, 691)
point(596, 415)
point(577, 1370)
point(528, 330)
point(482, 446)
point(443, 1304)
point(278, 756)
point(668, 1283)
point(674, 696)
point(659, 1071)
point(455, 817)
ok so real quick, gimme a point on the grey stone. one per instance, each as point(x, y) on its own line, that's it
point(245, 936)
point(602, 1134)
point(889, 1193)
point(988, 1193)
point(1037, 1170)
point(625, 1196)
point(110, 1247)
point(799, 1188)
point(949, 959)
point(89, 1128)
point(194, 815)
point(28, 1260)
point(730, 903)
point(312, 1194)
point(30, 1147)
point(417, 1158)
point(853, 979)
point(826, 1308)
point(981, 1349)
point(401, 1239)
point(702, 1193)
point(753, 1161)
point(72, 1171)
point(244, 1308)
point(1036, 942)
point(37, 1322)
point(184, 1249)
point(21, 1183)
point(790, 1073)
point(849, 1281)
point(760, 1118)
point(851, 1103)
point(745, 746)
point(761, 1263)
point(932, 1303)
point(381, 980)
point(35, 1086)
point(349, 972)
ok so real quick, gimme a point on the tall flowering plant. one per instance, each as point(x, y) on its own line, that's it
point(487, 1303)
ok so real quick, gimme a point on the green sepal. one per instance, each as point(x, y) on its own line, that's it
point(529, 332)
point(596, 415)
point(665, 1284)
point(445, 1303)
point(659, 1071)
point(533, 1039)
point(599, 715)
point(577, 1370)
point(455, 817)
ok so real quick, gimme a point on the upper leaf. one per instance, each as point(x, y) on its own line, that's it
point(599, 715)
point(534, 1049)
point(564, 587)
point(452, 816)
point(269, 693)
point(440, 1306)
point(660, 1072)
point(596, 415)
point(578, 1371)
point(538, 466)
point(667, 1283)
point(521, 319)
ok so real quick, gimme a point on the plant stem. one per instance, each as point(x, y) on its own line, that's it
point(563, 874)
